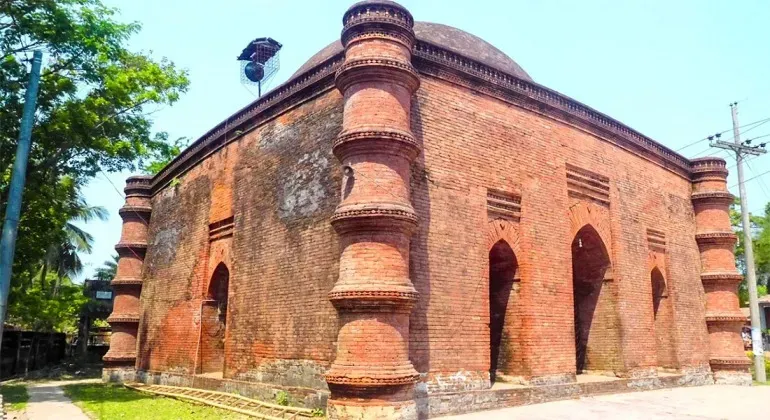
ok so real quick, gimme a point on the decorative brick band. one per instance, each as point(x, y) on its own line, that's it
point(729, 363)
point(119, 358)
point(712, 197)
point(377, 69)
point(729, 317)
point(372, 381)
point(380, 296)
point(374, 218)
point(141, 211)
point(131, 249)
point(374, 13)
point(128, 281)
point(379, 33)
point(716, 238)
point(721, 277)
point(138, 186)
point(707, 167)
point(396, 142)
point(123, 319)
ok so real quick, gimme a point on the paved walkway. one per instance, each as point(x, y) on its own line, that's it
point(47, 401)
point(696, 403)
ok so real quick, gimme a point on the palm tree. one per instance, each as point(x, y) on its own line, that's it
point(108, 270)
point(63, 257)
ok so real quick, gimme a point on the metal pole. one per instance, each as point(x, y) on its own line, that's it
point(751, 276)
point(13, 208)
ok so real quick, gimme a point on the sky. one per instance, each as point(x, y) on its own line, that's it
point(668, 69)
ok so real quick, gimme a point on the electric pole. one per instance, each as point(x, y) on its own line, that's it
point(741, 151)
point(18, 176)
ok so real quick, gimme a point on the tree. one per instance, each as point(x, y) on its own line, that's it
point(162, 156)
point(108, 270)
point(760, 232)
point(63, 256)
point(93, 115)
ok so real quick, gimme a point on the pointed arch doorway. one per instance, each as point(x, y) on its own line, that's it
point(597, 327)
point(663, 317)
point(214, 322)
point(502, 270)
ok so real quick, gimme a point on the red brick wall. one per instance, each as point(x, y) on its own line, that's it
point(472, 143)
point(281, 183)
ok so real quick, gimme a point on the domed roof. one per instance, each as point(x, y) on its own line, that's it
point(447, 37)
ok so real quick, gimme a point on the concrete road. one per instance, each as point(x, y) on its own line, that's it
point(705, 402)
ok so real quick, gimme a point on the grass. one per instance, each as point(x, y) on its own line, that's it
point(15, 395)
point(109, 401)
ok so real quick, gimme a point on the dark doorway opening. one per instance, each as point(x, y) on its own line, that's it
point(663, 318)
point(214, 322)
point(502, 270)
point(596, 323)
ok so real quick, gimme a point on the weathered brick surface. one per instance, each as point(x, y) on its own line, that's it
point(534, 225)
point(280, 186)
point(472, 143)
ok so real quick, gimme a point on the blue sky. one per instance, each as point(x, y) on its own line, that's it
point(668, 69)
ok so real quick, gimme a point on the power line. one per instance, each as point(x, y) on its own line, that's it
point(752, 178)
point(762, 184)
point(760, 122)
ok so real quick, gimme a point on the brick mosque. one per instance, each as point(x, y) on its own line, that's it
point(411, 226)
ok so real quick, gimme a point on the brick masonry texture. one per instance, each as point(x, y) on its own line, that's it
point(479, 223)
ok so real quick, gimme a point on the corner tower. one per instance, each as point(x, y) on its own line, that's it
point(716, 242)
point(127, 284)
point(372, 376)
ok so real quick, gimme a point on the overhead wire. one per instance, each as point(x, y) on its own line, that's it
point(760, 122)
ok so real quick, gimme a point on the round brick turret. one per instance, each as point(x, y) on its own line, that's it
point(127, 284)
point(372, 376)
point(716, 242)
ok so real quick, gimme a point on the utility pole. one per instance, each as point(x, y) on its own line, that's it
point(18, 177)
point(741, 151)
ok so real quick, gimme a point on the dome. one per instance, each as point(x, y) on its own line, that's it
point(447, 37)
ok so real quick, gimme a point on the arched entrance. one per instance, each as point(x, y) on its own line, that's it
point(663, 318)
point(214, 321)
point(502, 270)
point(597, 329)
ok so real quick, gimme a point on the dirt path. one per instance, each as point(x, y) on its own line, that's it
point(47, 401)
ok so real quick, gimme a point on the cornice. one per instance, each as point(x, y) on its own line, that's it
point(435, 61)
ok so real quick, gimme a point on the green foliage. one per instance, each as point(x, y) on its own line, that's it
point(164, 153)
point(318, 412)
point(15, 395)
point(108, 270)
point(750, 354)
point(282, 398)
point(93, 115)
point(108, 401)
point(32, 308)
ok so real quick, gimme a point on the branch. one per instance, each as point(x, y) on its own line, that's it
point(121, 112)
